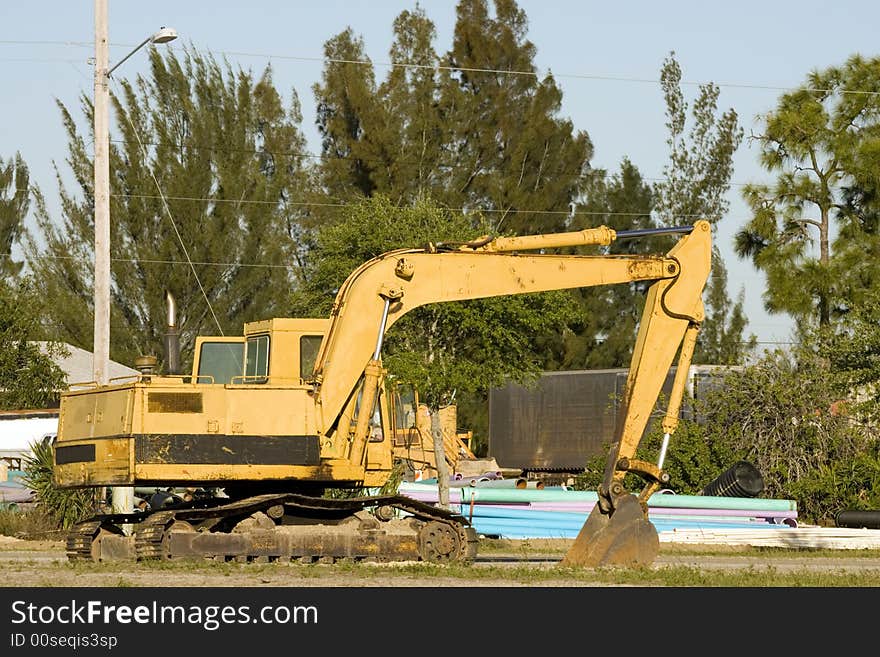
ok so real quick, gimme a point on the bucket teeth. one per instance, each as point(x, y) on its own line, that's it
point(624, 537)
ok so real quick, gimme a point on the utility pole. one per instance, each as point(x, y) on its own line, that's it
point(101, 352)
point(122, 496)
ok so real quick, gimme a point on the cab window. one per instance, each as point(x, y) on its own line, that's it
point(220, 361)
point(308, 353)
point(404, 407)
point(257, 361)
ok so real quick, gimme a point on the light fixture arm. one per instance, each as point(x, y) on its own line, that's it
point(119, 63)
point(164, 35)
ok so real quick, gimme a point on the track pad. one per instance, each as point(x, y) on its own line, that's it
point(624, 538)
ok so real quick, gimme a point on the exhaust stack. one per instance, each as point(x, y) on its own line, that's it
point(172, 339)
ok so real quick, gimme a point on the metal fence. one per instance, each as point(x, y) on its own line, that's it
point(567, 417)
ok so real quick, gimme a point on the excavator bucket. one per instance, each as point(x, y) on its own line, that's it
point(623, 538)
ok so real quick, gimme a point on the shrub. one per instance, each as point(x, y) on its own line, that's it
point(65, 506)
point(783, 415)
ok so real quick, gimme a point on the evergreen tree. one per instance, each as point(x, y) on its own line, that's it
point(604, 332)
point(417, 132)
point(821, 144)
point(513, 155)
point(14, 205)
point(29, 377)
point(475, 129)
point(205, 179)
point(349, 118)
point(696, 181)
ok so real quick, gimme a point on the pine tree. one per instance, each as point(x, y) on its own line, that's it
point(475, 129)
point(514, 156)
point(821, 144)
point(15, 197)
point(205, 173)
point(604, 333)
point(696, 181)
point(349, 118)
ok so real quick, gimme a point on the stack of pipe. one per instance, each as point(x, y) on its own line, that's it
point(555, 512)
point(487, 480)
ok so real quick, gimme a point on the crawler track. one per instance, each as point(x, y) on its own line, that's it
point(282, 527)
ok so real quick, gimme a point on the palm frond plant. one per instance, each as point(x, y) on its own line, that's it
point(65, 506)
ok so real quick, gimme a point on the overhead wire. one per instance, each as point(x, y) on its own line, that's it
point(326, 156)
point(174, 225)
point(438, 67)
point(475, 69)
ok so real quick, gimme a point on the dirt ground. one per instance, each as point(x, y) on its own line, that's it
point(44, 563)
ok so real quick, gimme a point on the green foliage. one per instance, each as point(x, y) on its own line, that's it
point(821, 142)
point(467, 137)
point(603, 333)
point(526, 162)
point(807, 430)
point(15, 201)
point(695, 185)
point(29, 377)
point(207, 186)
point(349, 119)
point(852, 350)
point(783, 415)
point(65, 506)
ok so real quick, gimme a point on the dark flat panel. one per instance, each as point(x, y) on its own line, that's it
point(215, 449)
point(74, 454)
point(174, 402)
point(560, 423)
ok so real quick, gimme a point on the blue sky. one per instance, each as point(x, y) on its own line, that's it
point(606, 58)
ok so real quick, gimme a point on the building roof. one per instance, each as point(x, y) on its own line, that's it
point(78, 367)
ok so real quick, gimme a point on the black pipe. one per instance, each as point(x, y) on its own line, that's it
point(642, 232)
point(742, 479)
point(858, 519)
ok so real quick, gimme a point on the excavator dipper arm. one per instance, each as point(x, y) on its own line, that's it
point(618, 531)
point(384, 289)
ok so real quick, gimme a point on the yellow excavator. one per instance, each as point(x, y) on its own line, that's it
point(270, 423)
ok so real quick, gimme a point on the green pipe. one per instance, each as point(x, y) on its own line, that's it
point(659, 500)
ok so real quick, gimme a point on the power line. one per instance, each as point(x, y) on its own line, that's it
point(156, 261)
point(82, 44)
point(330, 204)
point(39, 60)
point(327, 156)
point(461, 210)
point(495, 71)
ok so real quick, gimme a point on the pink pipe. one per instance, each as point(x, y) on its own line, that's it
point(587, 507)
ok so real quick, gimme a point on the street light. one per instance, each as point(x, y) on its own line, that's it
point(123, 498)
point(164, 35)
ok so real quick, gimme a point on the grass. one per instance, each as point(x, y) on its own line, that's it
point(525, 574)
point(32, 524)
point(774, 569)
point(770, 566)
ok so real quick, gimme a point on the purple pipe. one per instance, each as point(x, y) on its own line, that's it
point(581, 507)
